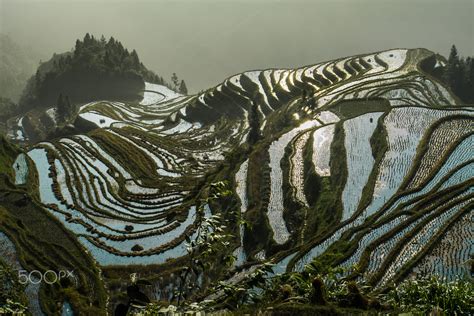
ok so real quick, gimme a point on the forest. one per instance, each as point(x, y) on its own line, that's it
point(95, 69)
point(459, 75)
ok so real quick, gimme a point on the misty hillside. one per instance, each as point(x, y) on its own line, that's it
point(17, 64)
point(363, 163)
point(94, 69)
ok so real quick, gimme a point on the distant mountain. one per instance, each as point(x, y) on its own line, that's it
point(95, 69)
point(16, 66)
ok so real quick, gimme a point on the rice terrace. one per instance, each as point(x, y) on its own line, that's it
point(329, 188)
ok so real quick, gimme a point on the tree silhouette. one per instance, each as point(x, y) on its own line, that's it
point(459, 75)
point(175, 81)
point(254, 122)
point(182, 88)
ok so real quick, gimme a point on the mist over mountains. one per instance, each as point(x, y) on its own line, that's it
point(17, 65)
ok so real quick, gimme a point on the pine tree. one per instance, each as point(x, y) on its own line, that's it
point(470, 85)
point(37, 79)
point(175, 81)
point(87, 40)
point(452, 69)
point(103, 41)
point(78, 48)
point(60, 108)
point(135, 60)
point(458, 75)
point(68, 107)
point(254, 122)
point(182, 88)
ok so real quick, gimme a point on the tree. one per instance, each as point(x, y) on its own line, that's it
point(103, 41)
point(451, 75)
point(254, 122)
point(210, 241)
point(175, 81)
point(87, 40)
point(182, 88)
point(60, 110)
point(38, 78)
point(94, 70)
point(458, 75)
point(68, 107)
point(63, 108)
point(135, 60)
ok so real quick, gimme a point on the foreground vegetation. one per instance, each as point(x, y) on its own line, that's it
point(313, 293)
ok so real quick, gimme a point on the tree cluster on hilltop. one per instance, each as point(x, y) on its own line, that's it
point(459, 75)
point(96, 68)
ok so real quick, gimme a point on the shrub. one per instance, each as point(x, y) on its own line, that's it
point(426, 294)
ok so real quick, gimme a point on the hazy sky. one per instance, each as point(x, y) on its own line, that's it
point(205, 41)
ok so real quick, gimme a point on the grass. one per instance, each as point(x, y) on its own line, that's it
point(51, 249)
point(124, 152)
point(11, 290)
point(347, 109)
point(8, 153)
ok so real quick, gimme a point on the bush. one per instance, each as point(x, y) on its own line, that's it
point(426, 294)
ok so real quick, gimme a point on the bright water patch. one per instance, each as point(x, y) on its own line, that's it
point(21, 169)
point(67, 309)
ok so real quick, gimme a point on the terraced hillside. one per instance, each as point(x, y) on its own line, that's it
point(363, 160)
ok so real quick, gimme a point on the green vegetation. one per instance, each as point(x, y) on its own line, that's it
point(432, 294)
point(8, 153)
point(209, 244)
point(254, 122)
point(12, 297)
point(24, 221)
point(347, 109)
point(95, 69)
point(52, 249)
point(459, 75)
point(323, 292)
point(324, 193)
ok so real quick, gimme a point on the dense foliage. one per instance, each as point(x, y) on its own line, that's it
point(427, 294)
point(96, 68)
point(12, 297)
point(459, 75)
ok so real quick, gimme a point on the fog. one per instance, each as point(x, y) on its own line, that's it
point(205, 41)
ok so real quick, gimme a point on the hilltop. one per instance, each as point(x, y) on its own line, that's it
point(94, 69)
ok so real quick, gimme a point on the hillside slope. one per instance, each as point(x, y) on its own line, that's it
point(362, 160)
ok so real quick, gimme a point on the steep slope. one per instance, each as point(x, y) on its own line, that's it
point(364, 159)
